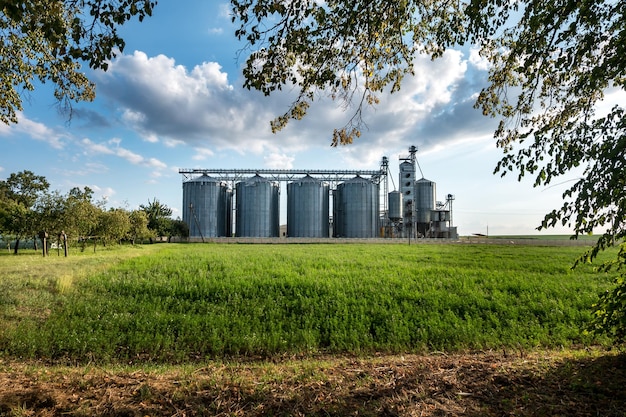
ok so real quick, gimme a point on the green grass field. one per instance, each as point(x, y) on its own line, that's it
point(176, 303)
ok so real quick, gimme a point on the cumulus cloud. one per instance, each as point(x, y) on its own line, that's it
point(167, 102)
point(161, 99)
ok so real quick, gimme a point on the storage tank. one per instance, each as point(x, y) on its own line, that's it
point(356, 207)
point(257, 213)
point(307, 208)
point(424, 199)
point(395, 205)
point(207, 205)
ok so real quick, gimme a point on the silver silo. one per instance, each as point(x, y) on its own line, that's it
point(207, 206)
point(307, 208)
point(257, 213)
point(395, 205)
point(425, 194)
point(356, 209)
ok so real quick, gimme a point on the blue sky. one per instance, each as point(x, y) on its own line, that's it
point(174, 99)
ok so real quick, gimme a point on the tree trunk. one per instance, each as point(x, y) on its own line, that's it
point(43, 235)
point(17, 245)
point(64, 236)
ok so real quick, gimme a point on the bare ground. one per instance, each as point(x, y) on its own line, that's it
point(538, 383)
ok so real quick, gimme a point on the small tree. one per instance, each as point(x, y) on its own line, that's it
point(113, 225)
point(49, 215)
point(178, 228)
point(158, 216)
point(80, 214)
point(18, 196)
point(138, 226)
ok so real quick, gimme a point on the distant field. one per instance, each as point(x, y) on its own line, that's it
point(179, 302)
point(589, 239)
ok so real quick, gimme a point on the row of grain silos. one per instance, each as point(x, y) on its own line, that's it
point(208, 203)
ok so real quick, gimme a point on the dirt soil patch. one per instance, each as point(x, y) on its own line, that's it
point(553, 383)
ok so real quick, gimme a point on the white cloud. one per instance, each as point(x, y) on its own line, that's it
point(96, 148)
point(56, 138)
point(224, 11)
point(172, 143)
point(128, 155)
point(132, 117)
point(481, 63)
point(161, 99)
point(103, 192)
point(151, 138)
point(277, 160)
point(155, 163)
point(202, 154)
point(115, 141)
point(5, 130)
point(216, 31)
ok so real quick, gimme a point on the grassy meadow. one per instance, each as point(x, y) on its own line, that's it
point(173, 303)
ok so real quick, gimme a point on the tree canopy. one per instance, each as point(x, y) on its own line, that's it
point(46, 40)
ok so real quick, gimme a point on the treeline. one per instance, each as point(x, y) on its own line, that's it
point(30, 210)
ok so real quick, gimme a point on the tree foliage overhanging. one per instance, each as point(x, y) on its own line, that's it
point(551, 65)
point(46, 40)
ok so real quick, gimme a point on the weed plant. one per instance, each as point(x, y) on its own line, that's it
point(185, 302)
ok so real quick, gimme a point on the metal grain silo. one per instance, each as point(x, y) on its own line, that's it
point(425, 194)
point(307, 208)
point(207, 206)
point(257, 213)
point(394, 199)
point(356, 209)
